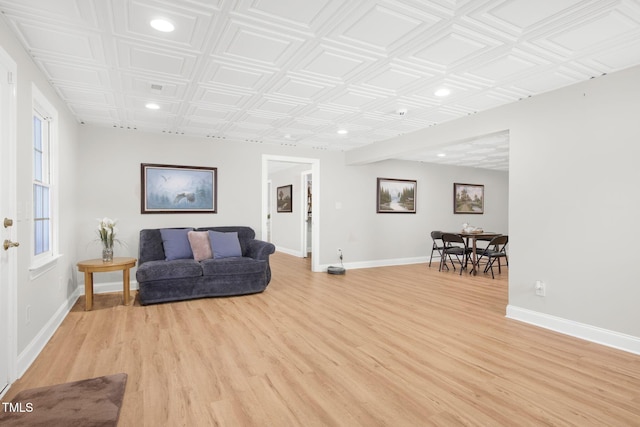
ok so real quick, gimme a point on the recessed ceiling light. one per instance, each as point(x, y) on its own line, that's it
point(162, 25)
point(343, 131)
point(442, 155)
point(152, 106)
point(442, 92)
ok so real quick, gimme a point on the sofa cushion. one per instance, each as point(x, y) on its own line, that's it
point(200, 245)
point(176, 243)
point(225, 245)
point(232, 266)
point(245, 234)
point(163, 270)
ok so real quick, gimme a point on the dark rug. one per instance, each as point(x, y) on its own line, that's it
point(86, 403)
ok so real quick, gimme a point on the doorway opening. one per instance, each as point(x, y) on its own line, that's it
point(306, 199)
point(299, 214)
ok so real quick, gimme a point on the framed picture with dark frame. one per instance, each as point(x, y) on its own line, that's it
point(178, 189)
point(468, 198)
point(396, 195)
point(284, 198)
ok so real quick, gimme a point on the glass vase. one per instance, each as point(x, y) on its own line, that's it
point(107, 253)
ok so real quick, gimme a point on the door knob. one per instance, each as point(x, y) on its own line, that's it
point(9, 244)
point(8, 222)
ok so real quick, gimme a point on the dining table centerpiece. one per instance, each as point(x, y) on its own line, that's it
point(107, 232)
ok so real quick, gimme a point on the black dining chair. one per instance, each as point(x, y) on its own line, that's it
point(455, 246)
point(437, 245)
point(496, 250)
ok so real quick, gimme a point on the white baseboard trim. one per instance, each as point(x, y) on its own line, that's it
point(31, 352)
point(583, 331)
point(287, 251)
point(379, 263)
point(108, 287)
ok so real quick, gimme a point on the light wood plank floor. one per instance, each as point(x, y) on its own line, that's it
point(393, 346)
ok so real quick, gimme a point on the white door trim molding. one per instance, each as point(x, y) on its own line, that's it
point(315, 201)
point(304, 216)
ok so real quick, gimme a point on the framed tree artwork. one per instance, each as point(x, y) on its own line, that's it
point(468, 198)
point(396, 196)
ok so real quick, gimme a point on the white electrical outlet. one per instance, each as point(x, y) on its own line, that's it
point(540, 288)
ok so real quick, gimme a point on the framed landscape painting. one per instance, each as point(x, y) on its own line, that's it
point(178, 189)
point(284, 201)
point(396, 196)
point(468, 198)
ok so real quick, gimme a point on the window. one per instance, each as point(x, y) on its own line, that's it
point(44, 214)
point(41, 185)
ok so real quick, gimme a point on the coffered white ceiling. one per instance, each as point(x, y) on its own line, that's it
point(293, 72)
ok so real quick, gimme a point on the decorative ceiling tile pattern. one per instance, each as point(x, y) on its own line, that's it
point(294, 72)
point(486, 151)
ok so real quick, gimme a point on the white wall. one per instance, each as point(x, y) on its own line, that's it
point(369, 238)
point(43, 299)
point(574, 186)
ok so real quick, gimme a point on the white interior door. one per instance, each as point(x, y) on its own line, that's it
point(8, 257)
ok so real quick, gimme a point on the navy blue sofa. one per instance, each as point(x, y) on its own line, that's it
point(161, 281)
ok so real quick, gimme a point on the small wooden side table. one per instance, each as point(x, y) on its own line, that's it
point(98, 266)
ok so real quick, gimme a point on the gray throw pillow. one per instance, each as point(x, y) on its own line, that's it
point(176, 243)
point(225, 245)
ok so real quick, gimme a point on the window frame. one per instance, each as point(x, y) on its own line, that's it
point(44, 110)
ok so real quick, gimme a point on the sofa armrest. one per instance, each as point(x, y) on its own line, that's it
point(260, 250)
